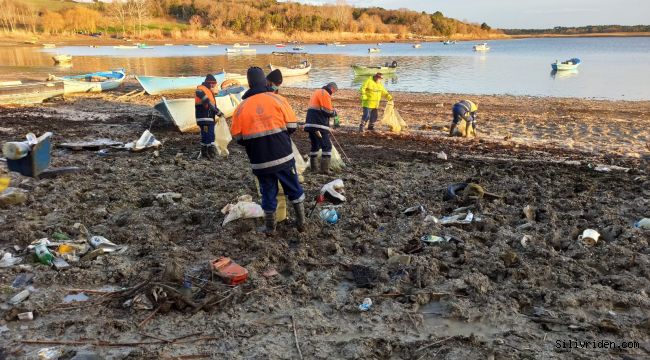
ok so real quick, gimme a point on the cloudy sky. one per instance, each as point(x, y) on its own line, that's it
point(525, 13)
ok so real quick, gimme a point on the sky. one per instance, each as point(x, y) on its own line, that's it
point(526, 14)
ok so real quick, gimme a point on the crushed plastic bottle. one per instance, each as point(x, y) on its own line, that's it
point(330, 216)
point(43, 254)
point(366, 305)
point(15, 150)
point(337, 121)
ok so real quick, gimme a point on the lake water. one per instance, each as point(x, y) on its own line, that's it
point(612, 68)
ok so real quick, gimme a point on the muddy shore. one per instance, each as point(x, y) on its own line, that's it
point(486, 294)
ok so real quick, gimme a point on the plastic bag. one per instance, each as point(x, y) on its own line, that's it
point(392, 118)
point(222, 137)
point(336, 164)
point(461, 129)
point(243, 209)
point(301, 164)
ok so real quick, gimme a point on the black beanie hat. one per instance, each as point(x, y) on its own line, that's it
point(275, 77)
point(255, 76)
point(210, 79)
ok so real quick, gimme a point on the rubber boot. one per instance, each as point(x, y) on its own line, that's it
point(325, 165)
point(212, 152)
point(313, 164)
point(269, 223)
point(299, 208)
point(204, 152)
point(361, 127)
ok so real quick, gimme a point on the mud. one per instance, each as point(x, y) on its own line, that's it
point(484, 295)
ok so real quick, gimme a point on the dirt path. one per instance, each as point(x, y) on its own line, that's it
point(484, 295)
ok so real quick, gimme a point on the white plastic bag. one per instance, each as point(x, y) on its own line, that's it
point(245, 208)
point(336, 163)
point(222, 136)
point(301, 164)
point(392, 118)
point(145, 141)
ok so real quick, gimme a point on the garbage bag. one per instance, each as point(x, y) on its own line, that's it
point(336, 164)
point(301, 164)
point(243, 209)
point(461, 130)
point(222, 136)
point(392, 118)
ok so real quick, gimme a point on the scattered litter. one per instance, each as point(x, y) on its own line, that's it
point(26, 316)
point(12, 196)
point(643, 224)
point(100, 242)
point(3, 329)
point(245, 208)
point(75, 298)
point(330, 216)
point(529, 212)
point(442, 155)
point(146, 140)
point(333, 192)
point(431, 219)
point(400, 259)
point(168, 197)
point(432, 239)
point(459, 219)
point(43, 255)
point(230, 272)
point(18, 298)
point(589, 237)
point(22, 280)
point(414, 210)
point(525, 240)
point(140, 302)
point(60, 236)
point(452, 189)
point(608, 168)
point(50, 353)
point(4, 183)
point(60, 263)
point(222, 136)
point(9, 260)
point(270, 273)
point(366, 305)
point(93, 145)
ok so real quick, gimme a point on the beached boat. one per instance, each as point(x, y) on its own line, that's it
point(481, 47)
point(30, 93)
point(417, 46)
point(301, 69)
point(233, 77)
point(283, 53)
point(181, 112)
point(241, 46)
point(61, 59)
point(571, 64)
point(93, 82)
point(202, 46)
point(125, 47)
point(374, 50)
point(155, 85)
point(360, 70)
point(339, 44)
point(49, 46)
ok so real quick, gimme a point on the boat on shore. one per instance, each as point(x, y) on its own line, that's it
point(481, 47)
point(92, 82)
point(181, 112)
point(62, 59)
point(571, 64)
point(339, 44)
point(374, 50)
point(241, 46)
point(361, 70)
point(202, 46)
point(49, 46)
point(299, 70)
point(29, 93)
point(155, 85)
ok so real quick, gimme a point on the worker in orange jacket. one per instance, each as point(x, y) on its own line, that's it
point(205, 106)
point(317, 125)
point(262, 123)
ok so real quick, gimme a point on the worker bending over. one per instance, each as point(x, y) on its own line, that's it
point(318, 126)
point(464, 110)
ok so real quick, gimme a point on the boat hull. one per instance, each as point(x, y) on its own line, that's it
point(32, 93)
point(78, 84)
point(155, 85)
point(291, 72)
point(558, 66)
point(372, 70)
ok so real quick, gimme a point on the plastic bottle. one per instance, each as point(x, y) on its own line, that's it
point(329, 215)
point(366, 305)
point(43, 254)
point(15, 150)
point(337, 121)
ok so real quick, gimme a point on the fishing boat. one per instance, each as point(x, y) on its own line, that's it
point(232, 51)
point(155, 85)
point(361, 70)
point(29, 93)
point(298, 48)
point(374, 50)
point(61, 59)
point(481, 47)
point(125, 47)
point(92, 82)
point(571, 64)
point(49, 46)
point(339, 44)
point(233, 78)
point(144, 46)
point(302, 69)
point(241, 46)
point(284, 53)
point(280, 45)
point(181, 112)
point(202, 46)
point(417, 46)
point(449, 42)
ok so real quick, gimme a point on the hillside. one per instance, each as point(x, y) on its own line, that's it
point(581, 30)
point(211, 19)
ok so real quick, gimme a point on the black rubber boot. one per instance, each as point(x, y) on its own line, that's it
point(299, 208)
point(204, 152)
point(313, 164)
point(212, 152)
point(269, 223)
point(325, 165)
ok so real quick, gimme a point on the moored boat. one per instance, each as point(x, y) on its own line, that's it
point(374, 50)
point(155, 85)
point(571, 64)
point(301, 69)
point(417, 46)
point(361, 70)
point(241, 46)
point(283, 53)
point(481, 47)
point(92, 82)
point(125, 47)
point(279, 45)
point(30, 93)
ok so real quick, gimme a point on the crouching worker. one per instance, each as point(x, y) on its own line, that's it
point(262, 124)
point(464, 122)
point(318, 126)
point(206, 110)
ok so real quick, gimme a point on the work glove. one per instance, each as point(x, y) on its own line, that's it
point(219, 113)
point(334, 113)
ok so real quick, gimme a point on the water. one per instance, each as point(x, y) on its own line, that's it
point(612, 68)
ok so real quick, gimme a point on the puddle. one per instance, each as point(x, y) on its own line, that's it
point(75, 298)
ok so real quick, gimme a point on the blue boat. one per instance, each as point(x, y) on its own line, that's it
point(566, 65)
point(93, 82)
point(155, 85)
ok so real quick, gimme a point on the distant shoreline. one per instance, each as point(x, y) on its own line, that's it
point(626, 34)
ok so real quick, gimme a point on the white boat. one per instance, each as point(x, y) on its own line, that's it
point(201, 46)
point(232, 51)
point(241, 46)
point(169, 44)
point(93, 82)
point(417, 46)
point(481, 47)
point(49, 46)
point(298, 48)
point(301, 69)
point(125, 47)
point(339, 44)
point(374, 50)
point(61, 59)
point(181, 112)
point(571, 64)
point(249, 50)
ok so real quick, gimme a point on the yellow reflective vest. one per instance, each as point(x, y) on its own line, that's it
point(371, 93)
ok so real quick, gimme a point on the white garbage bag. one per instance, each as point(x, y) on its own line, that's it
point(222, 136)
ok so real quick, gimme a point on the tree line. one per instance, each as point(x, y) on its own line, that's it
point(249, 17)
point(591, 29)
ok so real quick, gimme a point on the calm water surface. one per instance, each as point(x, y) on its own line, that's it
point(612, 68)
